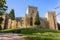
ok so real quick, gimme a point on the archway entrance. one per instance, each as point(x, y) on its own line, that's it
point(31, 21)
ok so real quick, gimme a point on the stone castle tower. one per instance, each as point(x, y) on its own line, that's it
point(28, 21)
point(30, 13)
point(51, 18)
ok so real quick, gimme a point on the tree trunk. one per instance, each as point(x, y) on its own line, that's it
point(0, 27)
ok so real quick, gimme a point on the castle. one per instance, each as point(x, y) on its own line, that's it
point(28, 21)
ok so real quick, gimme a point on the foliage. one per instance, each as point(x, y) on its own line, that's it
point(1, 19)
point(58, 26)
point(37, 21)
point(3, 8)
point(10, 31)
point(11, 14)
point(30, 30)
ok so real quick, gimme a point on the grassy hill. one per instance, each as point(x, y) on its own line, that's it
point(35, 33)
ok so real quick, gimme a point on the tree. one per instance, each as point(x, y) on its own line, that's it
point(12, 14)
point(36, 19)
point(58, 26)
point(3, 8)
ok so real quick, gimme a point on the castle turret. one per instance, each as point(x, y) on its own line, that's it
point(30, 13)
point(51, 18)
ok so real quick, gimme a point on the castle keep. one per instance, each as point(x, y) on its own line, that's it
point(28, 21)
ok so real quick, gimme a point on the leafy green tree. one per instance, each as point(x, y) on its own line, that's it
point(3, 8)
point(12, 14)
point(36, 19)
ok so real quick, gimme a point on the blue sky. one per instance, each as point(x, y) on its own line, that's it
point(43, 6)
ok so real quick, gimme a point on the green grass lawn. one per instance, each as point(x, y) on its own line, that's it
point(35, 33)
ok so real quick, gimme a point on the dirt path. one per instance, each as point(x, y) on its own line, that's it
point(10, 36)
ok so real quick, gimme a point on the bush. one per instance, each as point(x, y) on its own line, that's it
point(10, 31)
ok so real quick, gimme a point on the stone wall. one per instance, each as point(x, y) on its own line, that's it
point(44, 23)
point(13, 24)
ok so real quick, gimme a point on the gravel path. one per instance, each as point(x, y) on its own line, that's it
point(10, 36)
